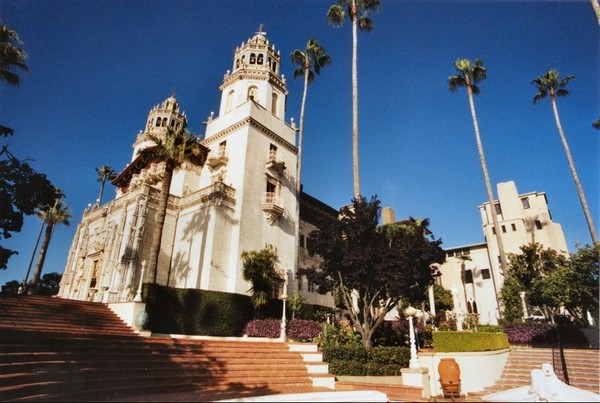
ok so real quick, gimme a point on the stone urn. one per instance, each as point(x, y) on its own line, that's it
point(449, 372)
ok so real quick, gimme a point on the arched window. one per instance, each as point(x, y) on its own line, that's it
point(274, 66)
point(229, 102)
point(260, 58)
point(172, 123)
point(164, 122)
point(252, 58)
point(158, 121)
point(274, 104)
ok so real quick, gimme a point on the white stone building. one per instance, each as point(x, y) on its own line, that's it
point(523, 219)
point(243, 198)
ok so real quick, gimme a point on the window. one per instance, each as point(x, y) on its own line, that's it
point(468, 276)
point(513, 226)
point(538, 224)
point(222, 147)
point(485, 274)
point(229, 102)
point(158, 121)
point(274, 104)
point(272, 152)
point(493, 230)
point(525, 202)
point(299, 283)
point(503, 228)
point(260, 58)
point(252, 58)
point(498, 208)
point(472, 306)
point(311, 286)
point(302, 240)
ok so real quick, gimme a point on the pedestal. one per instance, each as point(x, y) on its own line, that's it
point(418, 377)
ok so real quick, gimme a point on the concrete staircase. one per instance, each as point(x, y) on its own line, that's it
point(64, 350)
point(583, 367)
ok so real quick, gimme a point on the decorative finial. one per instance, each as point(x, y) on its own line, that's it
point(174, 92)
point(260, 29)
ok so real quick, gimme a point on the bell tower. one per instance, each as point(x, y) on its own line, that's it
point(162, 116)
point(255, 76)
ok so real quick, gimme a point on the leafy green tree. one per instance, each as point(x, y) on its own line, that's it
point(469, 75)
point(105, 173)
point(23, 191)
point(551, 84)
point(442, 298)
point(358, 12)
point(12, 58)
point(174, 148)
point(10, 288)
point(551, 280)
point(55, 215)
point(49, 285)
point(260, 271)
point(596, 124)
point(372, 267)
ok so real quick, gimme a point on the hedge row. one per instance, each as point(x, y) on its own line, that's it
point(356, 361)
point(448, 341)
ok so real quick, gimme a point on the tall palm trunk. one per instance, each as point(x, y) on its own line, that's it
point(355, 102)
point(37, 242)
point(488, 185)
point(586, 210)
point(299, 169)
point(161, 213)
point(101, 191)
point(35, 278)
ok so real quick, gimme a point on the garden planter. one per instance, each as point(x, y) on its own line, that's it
point(449, 377)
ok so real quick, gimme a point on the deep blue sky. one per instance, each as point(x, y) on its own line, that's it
point(97, 67)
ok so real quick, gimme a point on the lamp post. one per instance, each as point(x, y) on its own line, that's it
point(282, 333)
point(414, 360)
point(138, 296)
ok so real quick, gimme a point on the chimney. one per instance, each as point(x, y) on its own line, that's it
point(388, 216)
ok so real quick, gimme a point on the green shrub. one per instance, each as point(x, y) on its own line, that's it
point(344, 353)
point(191, 311)
point(490, 328)
point(398, 356)
point(448, 341)
point(347, 368)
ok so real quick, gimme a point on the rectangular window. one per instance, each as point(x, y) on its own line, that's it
point(538, 224)
point(493, 230)
point(299, 283)
point(514, 227)
point(498, 208)
point(504, 228)
point(311, 286)
point(468, 276)
point(485, 274)
point(525, 202)
point(302, 241)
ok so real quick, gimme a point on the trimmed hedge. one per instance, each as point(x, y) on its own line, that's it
point(448, 341)
point(356, 361)
point(191, 311)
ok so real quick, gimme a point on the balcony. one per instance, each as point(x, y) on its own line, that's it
point(274, 164)
point(272, 206)
point(215, 161)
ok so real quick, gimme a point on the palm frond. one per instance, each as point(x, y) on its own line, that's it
point(336, 15)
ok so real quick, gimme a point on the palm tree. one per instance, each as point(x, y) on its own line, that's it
point(358, 12)
point(259, 270)
point(310, 61)
point(58, 194)
point(105, 173)
point(11, 56)
point(469, 75)
point(57, 214)
point(173, 148)
point(551, 83)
